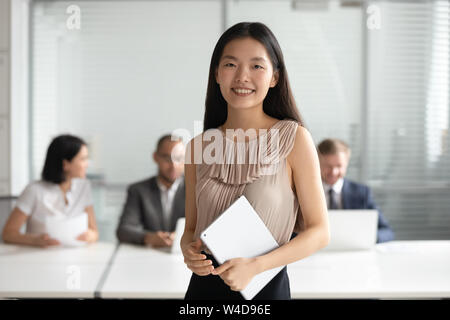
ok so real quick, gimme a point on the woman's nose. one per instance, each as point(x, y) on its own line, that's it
point(241, 75)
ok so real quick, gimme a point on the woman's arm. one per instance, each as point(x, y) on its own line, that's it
point(11, 232)
point(304, 162)
point(91, 235)
point(190, 247)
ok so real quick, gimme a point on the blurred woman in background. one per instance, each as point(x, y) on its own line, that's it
point(63, 193)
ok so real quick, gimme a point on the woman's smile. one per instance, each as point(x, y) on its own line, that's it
point(241, 92)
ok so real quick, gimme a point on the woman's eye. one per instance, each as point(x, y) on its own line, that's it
point(229, 65)
point(258, 67)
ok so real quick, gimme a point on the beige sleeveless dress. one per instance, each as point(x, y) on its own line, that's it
point(265, 183)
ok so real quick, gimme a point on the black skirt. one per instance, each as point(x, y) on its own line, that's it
point(212, 287)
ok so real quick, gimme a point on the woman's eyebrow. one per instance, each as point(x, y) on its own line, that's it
point(236, 59)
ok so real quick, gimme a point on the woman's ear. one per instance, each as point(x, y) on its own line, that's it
point(65, 163)
point(274, 80)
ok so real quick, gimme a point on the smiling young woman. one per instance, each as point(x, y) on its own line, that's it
point(248, 89)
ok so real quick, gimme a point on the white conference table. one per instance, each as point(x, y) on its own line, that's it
point(54, 272)
point(142, 272)
point(394, 270)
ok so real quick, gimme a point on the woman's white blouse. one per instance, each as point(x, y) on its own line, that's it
point(42, 199)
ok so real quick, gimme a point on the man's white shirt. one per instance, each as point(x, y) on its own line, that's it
point(337, 187)
point(167, 197)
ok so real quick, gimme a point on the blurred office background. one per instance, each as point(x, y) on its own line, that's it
point(373, 73)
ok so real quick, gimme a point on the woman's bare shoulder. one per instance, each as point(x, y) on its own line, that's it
point(303, 148)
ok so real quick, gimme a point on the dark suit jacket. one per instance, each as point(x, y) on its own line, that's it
point(359, 196)
point(143, 211)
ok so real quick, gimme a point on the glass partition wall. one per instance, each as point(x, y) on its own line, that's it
point(373, 73)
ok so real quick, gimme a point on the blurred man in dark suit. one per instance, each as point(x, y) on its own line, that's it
point(154, 205)
point(341, 193)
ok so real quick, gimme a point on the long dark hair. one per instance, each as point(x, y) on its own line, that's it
point(279, 101)
point(63, 147)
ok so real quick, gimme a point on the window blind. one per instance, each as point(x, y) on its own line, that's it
point(408, 106)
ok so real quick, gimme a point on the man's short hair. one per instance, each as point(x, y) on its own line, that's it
point(167, 137)
point(333, 146)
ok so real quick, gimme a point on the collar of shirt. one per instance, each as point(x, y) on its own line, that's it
point(171, 189)
point(72, 188)
point(69, 193)
point(337, 187)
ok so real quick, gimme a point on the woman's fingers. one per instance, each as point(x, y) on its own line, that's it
point(200, 267)
point(199, 264)
point(44, 240)
point(224, 267)
point(197, 243)
point(202, 271)
point(195, 260)
point(193, 253)
point(194, 256)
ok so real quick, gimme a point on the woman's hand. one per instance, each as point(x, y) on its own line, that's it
point(196, 261)
point(44, 240)
point(89, 236)
point(237, 273)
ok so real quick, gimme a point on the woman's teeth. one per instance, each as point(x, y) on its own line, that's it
point(243, 91)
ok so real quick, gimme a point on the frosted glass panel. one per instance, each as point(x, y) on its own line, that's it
point(322, 47)
point(133, 71)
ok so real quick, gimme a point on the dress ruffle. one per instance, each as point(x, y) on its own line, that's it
point(262, 155)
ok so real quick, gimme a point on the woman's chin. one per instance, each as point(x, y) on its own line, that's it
point(241, 106)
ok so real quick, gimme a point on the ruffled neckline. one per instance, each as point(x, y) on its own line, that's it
point(238, 174)
point(262, 135)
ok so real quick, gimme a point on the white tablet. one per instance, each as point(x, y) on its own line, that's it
point(240, 232)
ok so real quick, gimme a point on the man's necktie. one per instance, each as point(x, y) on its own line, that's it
point(333, 203)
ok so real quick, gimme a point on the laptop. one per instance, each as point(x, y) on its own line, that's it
point(240, 232)
point(179, 230)
point(352, 229)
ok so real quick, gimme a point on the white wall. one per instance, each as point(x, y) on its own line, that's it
point(130, 74)
point(14, 126)
point(4, 97)
point(19, 117)
point(93, 82)
point(134, 72)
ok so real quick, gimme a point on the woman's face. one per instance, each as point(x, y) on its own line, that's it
point(76, 168)
point(245, 73)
